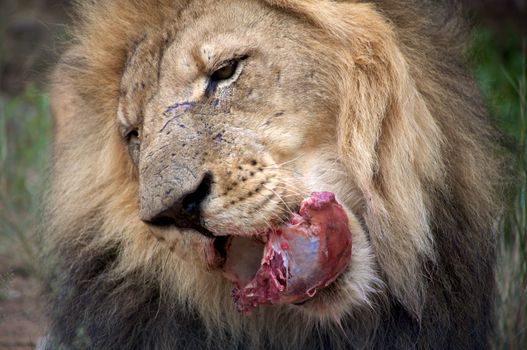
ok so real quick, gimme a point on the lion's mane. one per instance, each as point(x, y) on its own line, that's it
point(429, 182)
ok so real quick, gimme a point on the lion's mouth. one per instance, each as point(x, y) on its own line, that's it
point(291, 262)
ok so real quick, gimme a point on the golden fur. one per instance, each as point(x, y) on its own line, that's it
point(401, 131)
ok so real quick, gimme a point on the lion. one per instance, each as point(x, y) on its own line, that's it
point(181, 123)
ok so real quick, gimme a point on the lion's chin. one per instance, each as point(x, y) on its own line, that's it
point(334, 303)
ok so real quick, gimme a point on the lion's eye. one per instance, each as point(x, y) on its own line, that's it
point(134, 145)
point(225, 75)
point(132, 136)
point(226, 72)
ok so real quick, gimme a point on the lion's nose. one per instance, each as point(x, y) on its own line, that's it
point(185, 211)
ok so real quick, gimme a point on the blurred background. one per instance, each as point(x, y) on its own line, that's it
point(31, 33)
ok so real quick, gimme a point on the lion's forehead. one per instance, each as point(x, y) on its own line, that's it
point(163, 62)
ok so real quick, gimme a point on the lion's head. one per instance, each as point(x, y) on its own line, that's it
point(180, 123)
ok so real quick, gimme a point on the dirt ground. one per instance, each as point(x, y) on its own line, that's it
point(22, 320)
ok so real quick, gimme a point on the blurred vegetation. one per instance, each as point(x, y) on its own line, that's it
point(499, 59)
point(501, 68)
point(25, 134)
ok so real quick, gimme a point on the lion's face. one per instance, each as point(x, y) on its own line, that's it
point(230, 124)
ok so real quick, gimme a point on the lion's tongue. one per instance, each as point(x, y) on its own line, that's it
point(299, 258)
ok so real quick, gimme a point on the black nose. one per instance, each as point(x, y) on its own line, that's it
point(185, 212)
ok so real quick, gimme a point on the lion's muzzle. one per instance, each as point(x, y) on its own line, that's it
point(179, 205)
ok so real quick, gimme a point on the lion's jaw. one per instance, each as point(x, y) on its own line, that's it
point(259, 141)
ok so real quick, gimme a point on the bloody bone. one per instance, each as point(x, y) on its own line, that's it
point(299, 258)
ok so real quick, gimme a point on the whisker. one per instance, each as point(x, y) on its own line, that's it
point(279, 197)
point(291, 186)
point(274, 167)
point(281, 208)
point(291, 181)
point(292, 191)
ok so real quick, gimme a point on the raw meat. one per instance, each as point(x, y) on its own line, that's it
point(298, 258)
